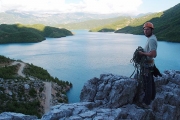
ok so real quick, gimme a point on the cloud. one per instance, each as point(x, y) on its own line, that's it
point(32, 5)
point(112, 6)
point(92, 6)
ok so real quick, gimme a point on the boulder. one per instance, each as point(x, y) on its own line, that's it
point(112, 91)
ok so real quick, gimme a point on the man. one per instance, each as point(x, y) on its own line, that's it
point(150, 50)
point(151, 45)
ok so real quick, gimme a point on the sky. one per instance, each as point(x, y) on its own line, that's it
point(130, 7)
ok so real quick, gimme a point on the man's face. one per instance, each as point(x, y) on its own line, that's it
point(147, 31)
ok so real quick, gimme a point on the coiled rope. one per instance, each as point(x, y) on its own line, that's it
point(138, 61)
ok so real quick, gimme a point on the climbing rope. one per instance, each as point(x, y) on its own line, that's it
point(138, 61)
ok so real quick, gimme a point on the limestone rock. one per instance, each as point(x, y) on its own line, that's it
point(111, 97)
point(113, 91)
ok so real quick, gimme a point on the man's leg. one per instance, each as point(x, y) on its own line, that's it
point(153, 89)
point(148, 88)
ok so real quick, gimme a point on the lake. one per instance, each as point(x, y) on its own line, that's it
point(86, 55)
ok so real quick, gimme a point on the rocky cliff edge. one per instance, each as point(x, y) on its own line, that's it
point(111, 97)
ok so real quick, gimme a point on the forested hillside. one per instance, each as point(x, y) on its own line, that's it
point(126, 22)
point(18, 33)
point(167, 25)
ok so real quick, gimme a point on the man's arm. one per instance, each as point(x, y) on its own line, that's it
point(150, 54)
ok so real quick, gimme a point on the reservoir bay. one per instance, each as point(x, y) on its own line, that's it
point(86, 55)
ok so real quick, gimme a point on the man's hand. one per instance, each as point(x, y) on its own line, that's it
point(141, 53)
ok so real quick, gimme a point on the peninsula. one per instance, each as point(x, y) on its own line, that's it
point(18, 33)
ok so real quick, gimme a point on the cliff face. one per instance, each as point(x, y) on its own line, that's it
point(111, 97)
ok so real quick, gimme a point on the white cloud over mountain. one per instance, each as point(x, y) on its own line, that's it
point(92, 6)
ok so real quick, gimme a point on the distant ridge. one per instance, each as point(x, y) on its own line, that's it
point(51, 19)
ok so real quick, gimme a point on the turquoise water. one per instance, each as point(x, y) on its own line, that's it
point(86, 55)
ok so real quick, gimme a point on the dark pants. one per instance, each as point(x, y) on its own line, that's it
point(149, 87)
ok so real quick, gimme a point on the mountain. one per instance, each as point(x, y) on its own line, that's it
point(167, 24)
point(13, 17)
point(90, 24)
